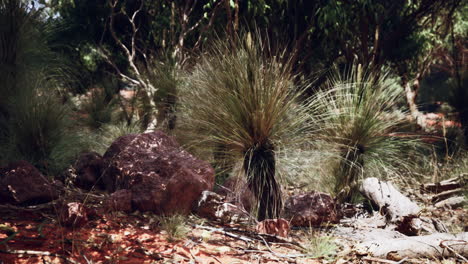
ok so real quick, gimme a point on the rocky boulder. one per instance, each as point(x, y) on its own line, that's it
point(88, 169)
point(311, 209)
point(120, 200)
point(161, 176)
point(22, 184)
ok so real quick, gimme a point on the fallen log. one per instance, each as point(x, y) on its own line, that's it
point(446, 194)
point(394, 205)
point(435, 245)
point(452, 202)
point(445, 185)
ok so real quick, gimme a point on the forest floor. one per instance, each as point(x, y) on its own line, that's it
point(37, 236)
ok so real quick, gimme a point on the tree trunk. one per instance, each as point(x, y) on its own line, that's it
point(411, 91)
point(260, 168)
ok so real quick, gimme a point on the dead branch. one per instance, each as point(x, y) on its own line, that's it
point(446, 194)
point(446, 185)
point(457, 242)
point(451, 202)
point(229, 234)
point(391, 202)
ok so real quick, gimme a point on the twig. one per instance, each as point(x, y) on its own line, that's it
point(462, 242)
point(286, 255)
point(268, 236)
point(220, 230)
point(274, 253)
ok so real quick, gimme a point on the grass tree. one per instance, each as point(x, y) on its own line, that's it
point(34, 124)
point(359, 117)
point(242, 104)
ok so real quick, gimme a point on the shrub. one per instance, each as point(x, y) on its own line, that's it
point(34, 125)
point(39, 131)
point(99, 108)
point(241, 104)
point(108, 133)
point(357, 110)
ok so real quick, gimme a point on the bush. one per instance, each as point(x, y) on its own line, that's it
point(110, 132)
point(243, 107)
point(39, 131)
point(358, 116)
point(99, 108)
point(34, 124)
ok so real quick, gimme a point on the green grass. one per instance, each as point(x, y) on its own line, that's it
point(166, 78)
point(34, 124)
point(99, 107)
point(241, 105)
point(359, 119)
point(319, 245)
point(108, 133)
point(175, 226)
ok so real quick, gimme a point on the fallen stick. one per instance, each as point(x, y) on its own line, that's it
point(442, 245)
point(445, 185)
point(415, 247)
point(452, 202)
point(220, 230)
point(446, 194)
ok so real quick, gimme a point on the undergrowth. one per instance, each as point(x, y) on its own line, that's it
point(175, 226)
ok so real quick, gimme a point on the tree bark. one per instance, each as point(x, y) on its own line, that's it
point(260, 168)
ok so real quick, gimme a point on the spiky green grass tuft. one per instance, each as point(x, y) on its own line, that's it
point(175, 226)
point(319, 245)
point(359, 117)
point(242, 106)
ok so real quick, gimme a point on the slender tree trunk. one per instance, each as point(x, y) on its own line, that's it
point(260, 168)
point(411, 91)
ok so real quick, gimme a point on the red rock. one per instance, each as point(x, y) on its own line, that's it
point(88, 168)
point(311, 209)
point(74, 215)
point(162, 177)
point(22, 183)
point(120, 200)
point(278, 227)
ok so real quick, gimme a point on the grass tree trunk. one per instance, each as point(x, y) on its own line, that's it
point(260, 168)
point(349, 171)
